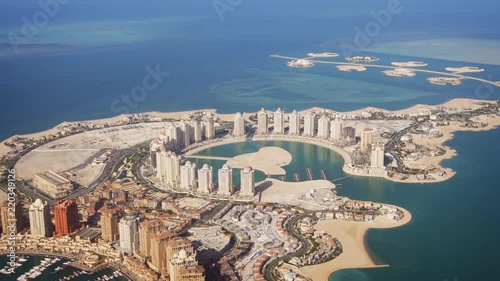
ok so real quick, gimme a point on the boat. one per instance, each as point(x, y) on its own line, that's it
point(4, 271)
point(21, 259)
point(66, 263)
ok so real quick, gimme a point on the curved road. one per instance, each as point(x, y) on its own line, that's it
point(269, 268)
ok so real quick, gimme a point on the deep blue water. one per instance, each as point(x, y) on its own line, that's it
point(89, 55)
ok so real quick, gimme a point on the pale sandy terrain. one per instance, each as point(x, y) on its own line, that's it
point(281, 192)
point(88, 174)
point(39, 161)
point(352, 236)
point(464, 69)
point(268, 160)
point(322, 55)
point(351, 67)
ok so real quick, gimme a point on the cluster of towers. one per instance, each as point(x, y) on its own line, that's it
point(180, 135)
point(66, 218)
point(327, 127)
point(167, 253)
point(187, 177)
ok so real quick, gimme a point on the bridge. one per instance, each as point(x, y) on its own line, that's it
point(208, 157)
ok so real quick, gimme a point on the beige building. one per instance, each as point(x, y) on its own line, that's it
point(324, 127)
point(146, 231)
point(336, 129)
point(239, 125)
point(205, 179)
point(188, 176)
point(279, 121)
point(366, 140)
point(309, 124)
point(182, 260)
point(11, 221)
point(225, 177)
point(247, 181)
point(110, 217)
point(53, 184)
point(294, 123)
point(168, 167)
point(209, 128)
point(158, 250)
point(377, 157)
point(262, 126)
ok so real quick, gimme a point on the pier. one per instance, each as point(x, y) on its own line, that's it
point(323, 175)
point(309, 174)
point(296, 176)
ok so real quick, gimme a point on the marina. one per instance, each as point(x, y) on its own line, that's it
point(45, 268)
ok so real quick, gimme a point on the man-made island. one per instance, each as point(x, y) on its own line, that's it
point(129, 185)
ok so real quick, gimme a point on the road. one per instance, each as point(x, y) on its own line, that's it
point(459, 76)
point(105, 175)
point(269, 268)
point(397, 136)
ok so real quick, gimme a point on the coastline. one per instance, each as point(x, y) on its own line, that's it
point(355, 251)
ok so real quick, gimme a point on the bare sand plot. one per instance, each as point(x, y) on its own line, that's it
point(268, 160)
point(38, 161)
point(281, 192)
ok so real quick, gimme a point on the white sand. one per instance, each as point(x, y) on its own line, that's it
point(281, 192)
point(352, 237)
point(465, 69)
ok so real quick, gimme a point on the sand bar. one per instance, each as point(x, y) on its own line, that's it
point(352, 236)
point(268, 160)
point(350, 68)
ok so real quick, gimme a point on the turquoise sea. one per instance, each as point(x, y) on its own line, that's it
point(92, 52)
point(454, 228)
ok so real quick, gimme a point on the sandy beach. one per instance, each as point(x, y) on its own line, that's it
point(355, 253)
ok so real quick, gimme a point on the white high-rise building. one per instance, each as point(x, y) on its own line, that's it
point(294, 123)
point(366, 139)
point(309, 124)
point(172, 138)
point(198, 133)
point(262, 127)
point(239, 125)
point(279, 121)
point(168, 167)
point(129, 232)
point(205, 179)
point(247, 181)
point(336, 129)
point(225, 175)
point(324, 127)
point(186, 132)
point(40, 221)
point(209, 128)
point(188, 176)
point(377, 157)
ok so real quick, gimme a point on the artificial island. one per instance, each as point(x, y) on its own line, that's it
point(126, 192)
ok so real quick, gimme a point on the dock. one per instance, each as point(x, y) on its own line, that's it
point(296, 176)
point(309, 174)
point(323, 175)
